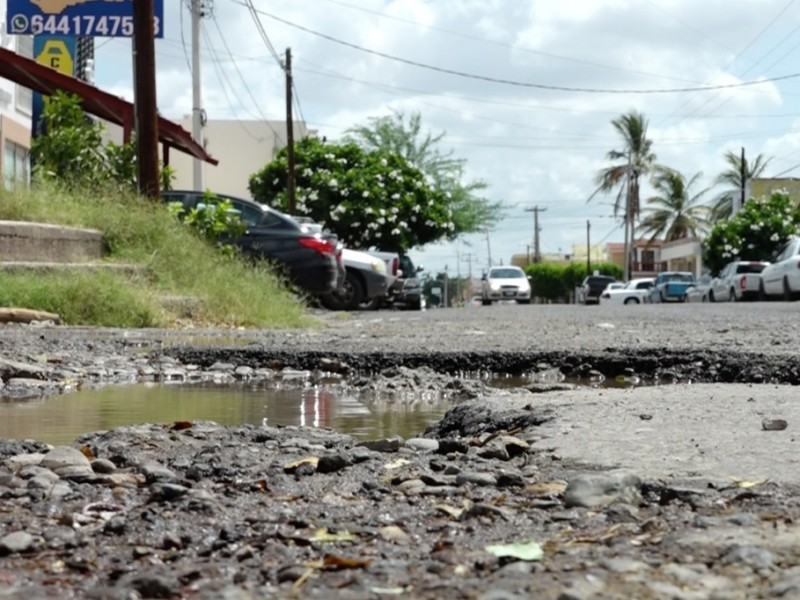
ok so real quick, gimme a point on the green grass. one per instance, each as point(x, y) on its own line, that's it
point(229, 291)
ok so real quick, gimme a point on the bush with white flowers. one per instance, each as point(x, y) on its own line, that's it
point(754, 233)
point(369, 199)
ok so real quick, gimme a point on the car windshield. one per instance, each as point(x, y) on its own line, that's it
point(505, 274)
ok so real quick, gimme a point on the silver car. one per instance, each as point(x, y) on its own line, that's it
point(505, 283)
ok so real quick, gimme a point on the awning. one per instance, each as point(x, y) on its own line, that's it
point(42, 79)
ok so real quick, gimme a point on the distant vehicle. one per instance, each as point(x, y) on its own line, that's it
point(738, 280)
point(406, 289)
point(698, 292)
point(633, 292)
point(616, 285)
point(781, 278)
point(505, 283)
point(591, 288)
point(365, 281)
point(308, 258)
point(671, 286)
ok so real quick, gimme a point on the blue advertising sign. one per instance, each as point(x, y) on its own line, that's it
point(82, 18)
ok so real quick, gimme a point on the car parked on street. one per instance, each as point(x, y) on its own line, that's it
point(591, 288)
point(671, 286)
point(366, 282)
point(406, 290)
point(505, 283)
point(633, 292)
point(698, 291)
point(781, 278)
point(308, 258)
point(739, 280)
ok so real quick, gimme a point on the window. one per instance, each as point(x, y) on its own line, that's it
point(16, 165)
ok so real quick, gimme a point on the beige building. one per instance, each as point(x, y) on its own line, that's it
point(15, 114)
point(241, 147)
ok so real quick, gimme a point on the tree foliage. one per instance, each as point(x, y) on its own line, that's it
point(72, 151)
point(734, 178)
point(755, 233)
point(637, 159)
point(369, 199)
point(674, 211)
point(445, 173)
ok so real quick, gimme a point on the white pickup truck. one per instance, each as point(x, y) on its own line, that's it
point(738, 280)
point(636, 291)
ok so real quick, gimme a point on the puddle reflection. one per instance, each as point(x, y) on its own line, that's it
point(60, 419)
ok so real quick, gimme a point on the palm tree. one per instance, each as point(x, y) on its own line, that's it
point(637, 160)
point(735, 177)
point(675, 212)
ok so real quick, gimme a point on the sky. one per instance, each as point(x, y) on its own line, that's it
point(523, 90)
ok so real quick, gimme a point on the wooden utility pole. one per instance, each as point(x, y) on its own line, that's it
point(290, 180)
point(537, 254)
point(145, 98)
point(743, 181)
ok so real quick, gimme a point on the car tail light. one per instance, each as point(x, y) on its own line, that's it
point(395, 266)
point(321, 246)
point(743, 282)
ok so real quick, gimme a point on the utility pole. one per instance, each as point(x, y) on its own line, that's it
point(626, 267)
point(145, 98)
point(198, 9)
point(588, 248)
point(446, 285)
point(290, 185)
point(488, 250)
point(537, 254)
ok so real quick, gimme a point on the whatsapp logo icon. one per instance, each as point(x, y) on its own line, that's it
point(19, 23)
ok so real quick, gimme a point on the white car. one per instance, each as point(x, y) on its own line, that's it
point(366, 283)
point(738, 280)
point(635, 291)
point(505, 283)
point(781, 279)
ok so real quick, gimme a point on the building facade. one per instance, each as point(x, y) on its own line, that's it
point(241, 147)
point(15, 114)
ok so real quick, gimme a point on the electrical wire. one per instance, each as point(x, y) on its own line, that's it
point(244, 82)
point(516, 83)
point(262, 32)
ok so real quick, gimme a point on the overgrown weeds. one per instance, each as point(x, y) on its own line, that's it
point(224, 290)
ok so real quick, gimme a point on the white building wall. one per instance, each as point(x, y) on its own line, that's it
point(241, 147)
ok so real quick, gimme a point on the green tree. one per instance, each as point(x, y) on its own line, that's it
point(369, 199)
point(674, 212)
point(556, 282)
point(637, 159)
point(72, 151)
point(395, 134)
point(735, 177)
point(754, 233)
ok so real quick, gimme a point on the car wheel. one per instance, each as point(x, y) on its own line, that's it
point(661, 297)
point(486, 302)
point(373, 304)
point(788, 296)
point(733, 296)
point(711, 297)
point(526, 301)
point(350, 296)
point(631, 301)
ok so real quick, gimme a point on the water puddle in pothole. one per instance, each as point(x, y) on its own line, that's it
point(59, 419)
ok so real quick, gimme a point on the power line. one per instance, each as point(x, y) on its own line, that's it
point(525, 84)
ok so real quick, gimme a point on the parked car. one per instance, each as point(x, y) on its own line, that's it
point(671, 286)
point(633, 292)
point(406, 290)
point(698, 291)
point(738, 280)
point(309, 259)
point(591, 288)
point(366, 283)
point(505, 283)
point(781, 278)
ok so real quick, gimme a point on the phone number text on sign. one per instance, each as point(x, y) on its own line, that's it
point(80, 25)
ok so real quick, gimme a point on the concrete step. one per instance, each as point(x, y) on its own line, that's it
point(21, 266)
point(21, 241)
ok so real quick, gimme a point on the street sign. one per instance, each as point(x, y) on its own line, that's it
point(82, 18)
point(56, 55)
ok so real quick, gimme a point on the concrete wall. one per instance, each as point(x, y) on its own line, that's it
point(38, 242)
